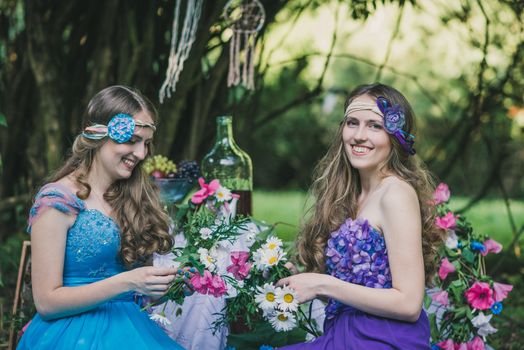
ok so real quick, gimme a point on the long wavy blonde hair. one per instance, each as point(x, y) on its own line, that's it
point(135, 201)
point(336, 188)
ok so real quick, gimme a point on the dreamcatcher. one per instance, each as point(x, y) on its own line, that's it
point(180, 45)
point(245, 18)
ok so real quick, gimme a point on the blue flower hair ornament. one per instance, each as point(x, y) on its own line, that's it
point(394, 120)
point(120, 128)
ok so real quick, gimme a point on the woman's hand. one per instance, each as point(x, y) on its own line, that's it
point(150, 280)
point(306, 285)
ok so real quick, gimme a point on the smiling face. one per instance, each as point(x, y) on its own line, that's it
point(118, 160)
point(366, 143)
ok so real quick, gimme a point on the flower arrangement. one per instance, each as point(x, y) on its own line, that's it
point(466, 298)
point(229, 255)
point(257, 296)
point(208, 231)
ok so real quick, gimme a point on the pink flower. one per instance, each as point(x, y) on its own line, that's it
point(217, 287)
point(446, 222)
point(501, 290)
point(441, 297)
point(201, 283)
point(480, 296)
point(239, 267)
point(205, 190)
point(476, 344)
point(450, 345)
point(492, 246)
point(446, 345)
point(445, 268)
point(441, 194)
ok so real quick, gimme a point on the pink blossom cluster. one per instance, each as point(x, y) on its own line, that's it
point(208, 284)
point(205, 190)
point(441, 194)
point(447, 222)
point(239, 267)
point(480, 296)
point(475, 344)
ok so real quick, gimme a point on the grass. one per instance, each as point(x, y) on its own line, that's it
point(489, 216)
point(284, 207)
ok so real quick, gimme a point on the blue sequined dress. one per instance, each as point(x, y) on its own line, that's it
point(357, 253)
point(91, 255)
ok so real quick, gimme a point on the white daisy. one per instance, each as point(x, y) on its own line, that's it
point(160, 318)
point(266, 297)
point(273, 243)
point(265, 258)
point(205, 232)
point(223, 194)
point(287, 299)
point(207, 259)
point(283, 321)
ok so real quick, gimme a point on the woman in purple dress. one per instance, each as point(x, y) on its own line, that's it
point(370, 244)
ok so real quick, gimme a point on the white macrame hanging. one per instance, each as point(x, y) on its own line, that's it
point(245, 18)
point(180, 45)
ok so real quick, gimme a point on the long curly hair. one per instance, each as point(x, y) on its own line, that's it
point(134, 201)
point(336, 188)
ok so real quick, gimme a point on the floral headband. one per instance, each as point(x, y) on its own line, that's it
point(394, 119)
point(120, 128)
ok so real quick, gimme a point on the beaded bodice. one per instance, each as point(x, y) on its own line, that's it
point(92, 242)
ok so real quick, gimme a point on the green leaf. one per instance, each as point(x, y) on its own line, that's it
point(427, 301)
point(468, 255)
point(457, 265)
point(3, 121)
point(197, 264)
point(469, 314)
point(457, 287)
point(433, 327)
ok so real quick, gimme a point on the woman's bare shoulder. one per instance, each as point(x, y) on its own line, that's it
point(396, 191)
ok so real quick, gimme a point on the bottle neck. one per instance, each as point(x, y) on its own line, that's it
point(224, 134)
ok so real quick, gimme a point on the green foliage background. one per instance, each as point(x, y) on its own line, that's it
point(460, 64)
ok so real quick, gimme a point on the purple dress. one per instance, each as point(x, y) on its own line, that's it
point(357, 253)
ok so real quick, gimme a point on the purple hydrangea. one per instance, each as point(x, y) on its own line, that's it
point(357, 253)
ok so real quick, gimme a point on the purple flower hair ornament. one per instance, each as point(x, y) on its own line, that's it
point(120, 128)
point(394, 121)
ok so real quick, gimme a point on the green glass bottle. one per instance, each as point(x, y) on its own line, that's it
point(230, 165)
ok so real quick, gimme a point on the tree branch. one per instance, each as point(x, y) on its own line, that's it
point(390, 44)
point(310, 94)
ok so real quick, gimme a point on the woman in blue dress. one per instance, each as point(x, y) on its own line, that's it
point(93, 227)
point(370, 243)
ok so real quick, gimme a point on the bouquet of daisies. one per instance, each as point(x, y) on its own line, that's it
point(465, 299)
point(221, 254)
point(257, 296)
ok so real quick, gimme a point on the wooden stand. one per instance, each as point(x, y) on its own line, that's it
point(24, 259)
